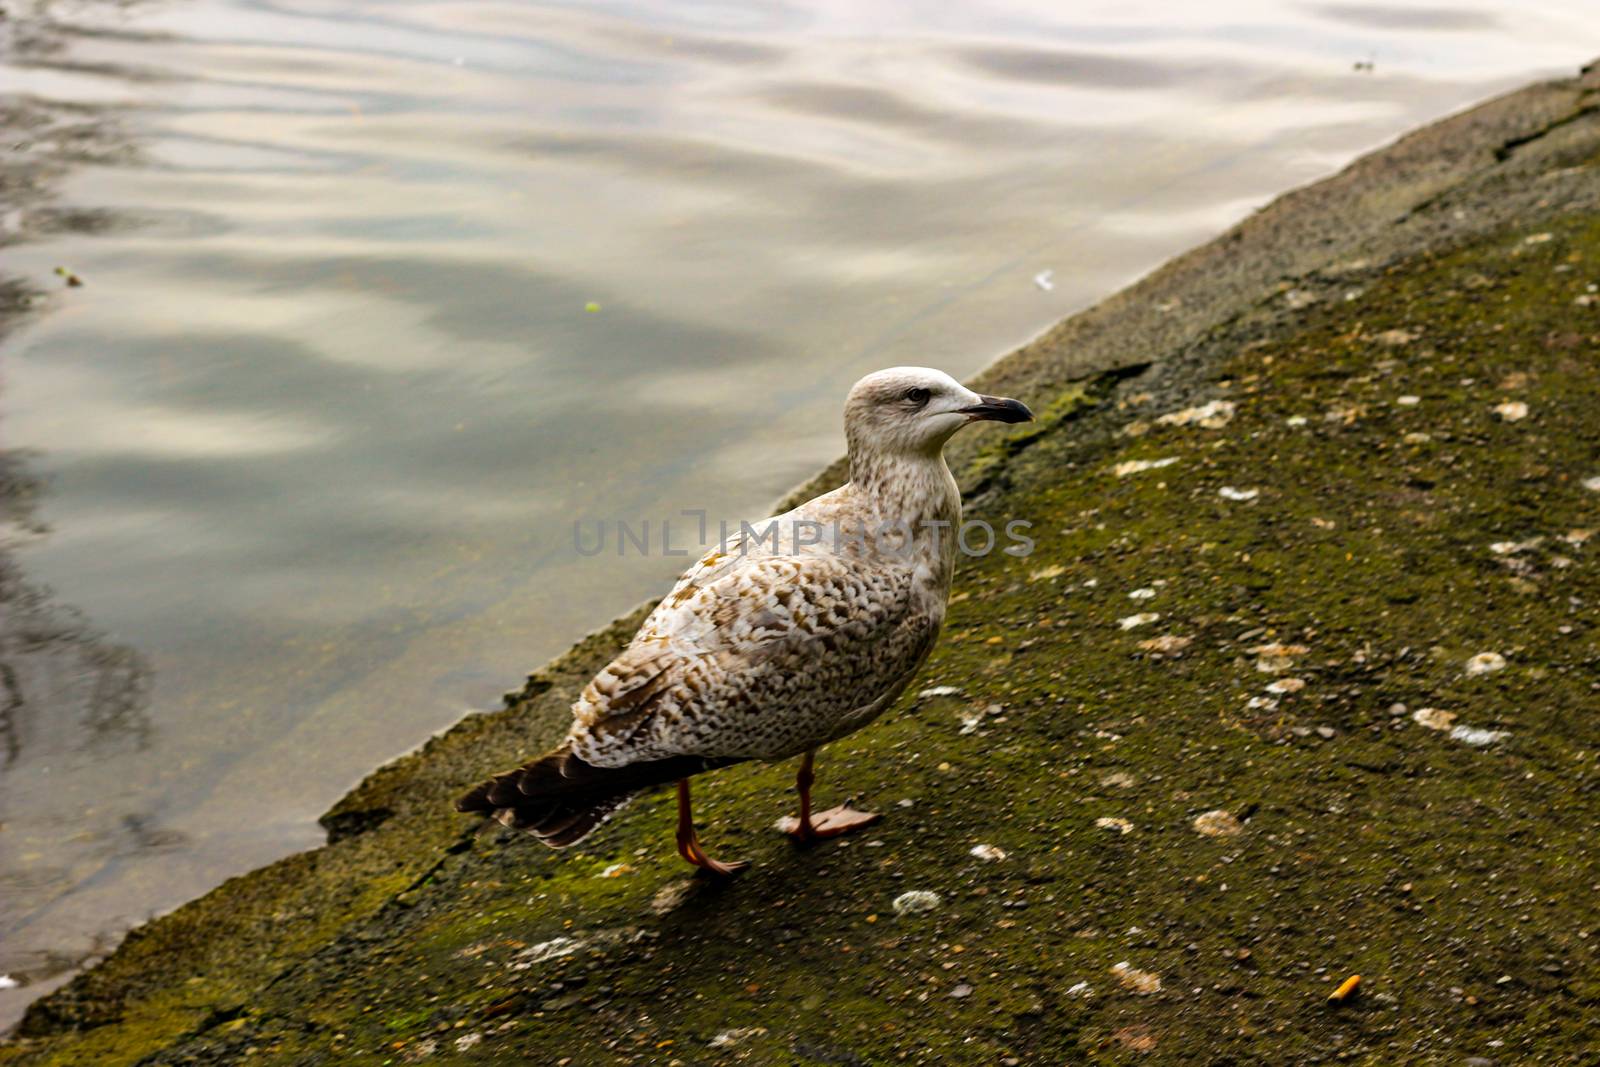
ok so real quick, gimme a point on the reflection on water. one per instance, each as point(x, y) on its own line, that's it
point(318, 425)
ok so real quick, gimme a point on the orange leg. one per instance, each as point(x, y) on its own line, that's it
point(834, 822)
point(689, 844)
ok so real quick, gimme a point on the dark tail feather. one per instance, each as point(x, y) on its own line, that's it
point(560, 799)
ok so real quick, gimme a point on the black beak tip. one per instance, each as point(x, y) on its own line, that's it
point(999, 409)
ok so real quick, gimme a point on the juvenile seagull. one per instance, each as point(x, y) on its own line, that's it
point(798, 631)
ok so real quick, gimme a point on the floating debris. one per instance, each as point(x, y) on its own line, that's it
point(939, 691)
point(1166, 643)
point(1045, 280)
point(1485, 663)
point(1141, 982)
point(1511, 411)
point(1142, 594)
point(1346, 990)
point(1287, 685)
point(1434, 718)
point(1121, 826)
point(1218, 823)
point(1128, 622)
point(988, 853)
point(1138, 466)
point(915, 902)
point(1477, 737)
point(1275, 658)
point(1212, 416)
point(736, 1036)
point(1228, 492)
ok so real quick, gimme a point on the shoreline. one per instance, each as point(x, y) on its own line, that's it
point(1157, 346)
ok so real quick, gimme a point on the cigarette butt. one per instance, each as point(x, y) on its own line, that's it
point(1346, 990)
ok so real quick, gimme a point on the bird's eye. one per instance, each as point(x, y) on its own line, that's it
point(918, 396)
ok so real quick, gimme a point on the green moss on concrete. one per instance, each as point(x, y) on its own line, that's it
point(1458, 880)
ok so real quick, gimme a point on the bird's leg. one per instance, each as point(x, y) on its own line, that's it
point(689, 844)
point(834, 822)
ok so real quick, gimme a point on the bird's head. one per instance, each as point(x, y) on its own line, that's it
point(915, 410)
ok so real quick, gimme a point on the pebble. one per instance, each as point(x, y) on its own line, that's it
point(1296, 420)
point(736, 1036)
point(1218, 823)
point(988, 853)
point(1434, 718)
point(1276, 658)
point(1141, 982)
point(1511, 411)
point(1138, 466)
point(1327, 733)
point(915, 902)
point(1121, 826)
point(1213, 416)
point(1485, 663)
point(1228, 492)
point(1128, 622)
point(1408, 401)
point(1142, 594)
point(962, 991)
point(939, 691)
point(1287, 685)
point(1476, 736)
point(1166, 643)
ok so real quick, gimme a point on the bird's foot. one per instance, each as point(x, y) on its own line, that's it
point(835, 822)
point(692, 852)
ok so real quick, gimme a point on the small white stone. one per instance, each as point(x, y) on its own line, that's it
point(1476, 736)
point(915, 902)
point(1213, 416)
point(1485, 663)
point(988, 853)
point(1080, 989)
point(1138, 466)
point(1592, 484)
point(1433, 718)
point(1228, 492)
point(736, 1036)
point(1218, 823)
point(1142, 594)
point(1511, 411)
point(939, 691)
point(1408, 401)
point(8, 982)
point(1296, 420)
point(1141, 982)
point(1121, 826)
point(1287, 685)
point(1128, 622)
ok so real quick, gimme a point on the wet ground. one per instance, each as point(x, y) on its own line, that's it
point(1299, 684)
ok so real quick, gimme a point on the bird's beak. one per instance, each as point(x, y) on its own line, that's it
point(997, 409)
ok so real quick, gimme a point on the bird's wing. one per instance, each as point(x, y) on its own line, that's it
point(754, 655)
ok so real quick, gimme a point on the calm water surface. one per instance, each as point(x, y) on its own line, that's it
point(316, 429)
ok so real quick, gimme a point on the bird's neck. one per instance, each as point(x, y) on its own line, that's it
point(915, 489)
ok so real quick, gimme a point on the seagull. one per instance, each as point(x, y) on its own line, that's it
point(794, 632)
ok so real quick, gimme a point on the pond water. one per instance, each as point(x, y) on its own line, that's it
point(380, 297)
